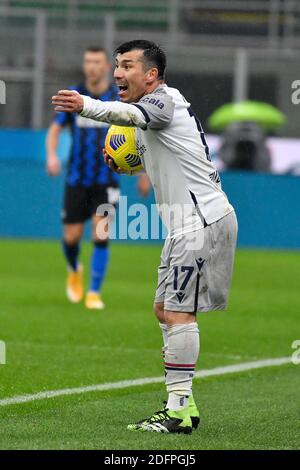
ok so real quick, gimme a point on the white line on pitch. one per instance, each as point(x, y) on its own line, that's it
point(245, 366)
point(96, 347)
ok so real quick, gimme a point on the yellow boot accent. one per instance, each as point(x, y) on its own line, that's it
point(93, 301)
point(74, 288)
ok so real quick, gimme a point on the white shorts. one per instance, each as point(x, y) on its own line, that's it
point(197, 277)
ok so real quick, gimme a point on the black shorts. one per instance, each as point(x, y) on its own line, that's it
point(81, 203)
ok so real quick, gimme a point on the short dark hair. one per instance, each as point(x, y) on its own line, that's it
point(153, 55)
point(96, 49)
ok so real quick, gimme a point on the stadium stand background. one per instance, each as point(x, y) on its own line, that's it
point(203, 40)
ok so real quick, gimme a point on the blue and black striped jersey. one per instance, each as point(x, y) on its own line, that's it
point(86, 165)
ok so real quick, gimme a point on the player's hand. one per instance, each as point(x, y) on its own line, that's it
point(68, 100)
point(53, 165)
point(109, 162)
point(143, 185)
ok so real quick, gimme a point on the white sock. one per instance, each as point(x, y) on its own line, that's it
point(177, 402)
point(180, 361)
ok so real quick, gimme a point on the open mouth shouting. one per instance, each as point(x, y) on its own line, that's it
point(122, 89)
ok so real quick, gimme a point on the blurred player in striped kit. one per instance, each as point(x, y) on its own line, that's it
point(89, 182)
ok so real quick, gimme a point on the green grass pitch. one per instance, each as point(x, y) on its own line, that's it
point(52, 344)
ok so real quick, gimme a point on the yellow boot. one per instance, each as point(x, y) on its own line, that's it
point(94, 301)
point(74, 288)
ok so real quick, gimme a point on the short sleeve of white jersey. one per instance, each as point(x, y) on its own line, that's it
point(157, 108)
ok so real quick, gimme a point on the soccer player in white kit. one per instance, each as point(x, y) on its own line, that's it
point(197, 259)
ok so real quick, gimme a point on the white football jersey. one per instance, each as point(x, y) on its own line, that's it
point(176, 158)
point(172, 146)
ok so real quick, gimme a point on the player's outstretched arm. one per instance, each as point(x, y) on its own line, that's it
point(53, 165)
point(113, 112)
point(69, 101)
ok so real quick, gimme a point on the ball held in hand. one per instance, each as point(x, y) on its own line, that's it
point(121, 147)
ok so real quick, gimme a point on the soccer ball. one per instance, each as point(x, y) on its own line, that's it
point(120, 146)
